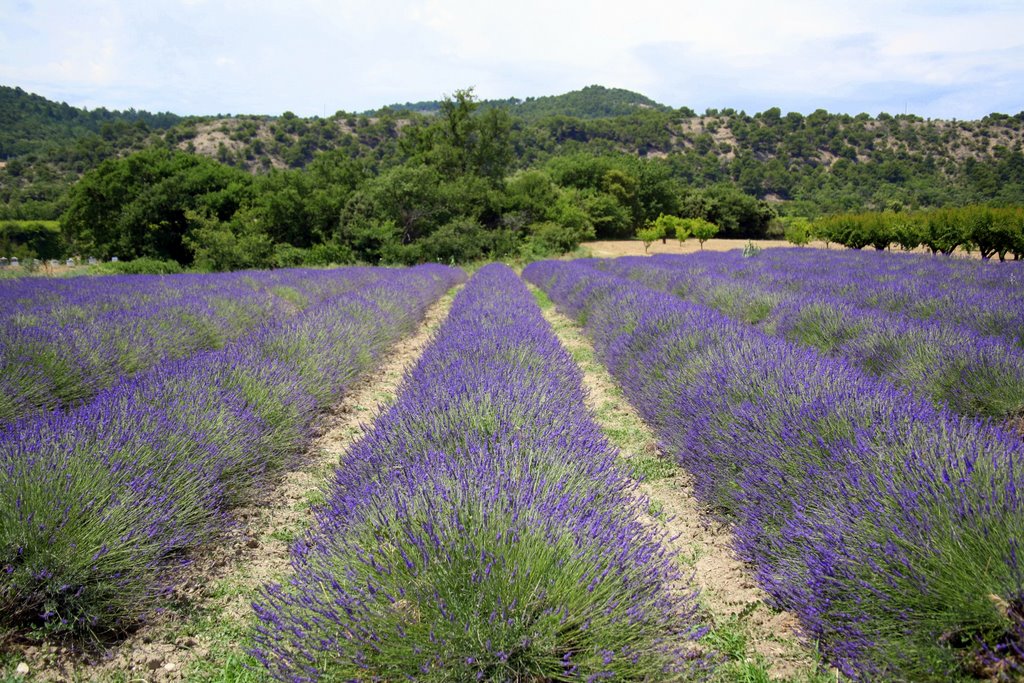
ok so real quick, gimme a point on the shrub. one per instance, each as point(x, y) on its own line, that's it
point(797, 231)
point(139, 266)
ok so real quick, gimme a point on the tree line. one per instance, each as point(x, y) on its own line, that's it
point(453, 194)
point(991, 231)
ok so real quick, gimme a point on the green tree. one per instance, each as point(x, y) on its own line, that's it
point(136, 206)
point(463, 141)
point(31, 239)
point(906, 231)
point(669, 226)
point(648, 236)
point(531, 193)
point(797, 230)
point(701, 229)
point(992, 231)
point(682, 233)
point(228, 245)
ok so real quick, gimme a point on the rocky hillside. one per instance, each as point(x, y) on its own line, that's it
point(815, 162)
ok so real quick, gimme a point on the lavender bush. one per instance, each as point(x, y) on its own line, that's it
point(100, 504)
point(481, 530)
point(981, 296)
point(61, 341)
point(954, 365)
point(889, 526)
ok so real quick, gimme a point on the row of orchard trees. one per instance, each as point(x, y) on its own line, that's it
point(992, 231)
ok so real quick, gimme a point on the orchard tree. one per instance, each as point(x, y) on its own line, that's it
point(648, 236)
point(668, 226)
point(797, 230)
point(682, 232)
point(701, 229)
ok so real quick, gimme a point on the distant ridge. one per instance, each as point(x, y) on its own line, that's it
point(27, 119)
point(819, 162)
point(591, 102)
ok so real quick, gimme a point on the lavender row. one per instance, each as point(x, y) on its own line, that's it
point(986, 298)
point(61, 341)
point(481, 530)
point(889, 526)
point(971, 373)
point(100, 505)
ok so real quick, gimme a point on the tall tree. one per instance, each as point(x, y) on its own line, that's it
point(136, 206)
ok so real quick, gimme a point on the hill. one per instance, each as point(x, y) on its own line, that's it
point(28, 122)
point(592, 102)
point(805, 164)
point(45, 146)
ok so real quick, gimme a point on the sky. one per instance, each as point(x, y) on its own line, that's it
point(934, 58)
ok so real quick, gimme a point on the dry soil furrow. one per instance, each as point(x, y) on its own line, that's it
point(202, 636)
point(752, 635)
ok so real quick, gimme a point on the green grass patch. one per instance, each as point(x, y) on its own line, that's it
point(649, 468)
point(542, 299)
point(227, 639)
point(291, 295)
point(283, 535)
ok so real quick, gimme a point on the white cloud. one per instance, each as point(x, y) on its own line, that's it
point(208, 56)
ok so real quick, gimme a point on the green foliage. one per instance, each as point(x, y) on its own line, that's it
point(994, 231)
point(301, 208)
point(287, 256)
point(671, 226)
point(591, 102)
point(139, 266)
point(531, 194)
point(30, 124)
point(682, 233)
point(31, 239)
point(738, 215)
point(907, 231)
point(462, 239)
point(701, 229)
point(458, 142)
point(329, 254)
point(227, 245)
point(648, 236)
point(601, 162)
point(797, 230)
point(551, 239)
point(137, 206)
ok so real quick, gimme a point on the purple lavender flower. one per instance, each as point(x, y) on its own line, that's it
point(98, 503)
point(887, 524)
point(488, 499)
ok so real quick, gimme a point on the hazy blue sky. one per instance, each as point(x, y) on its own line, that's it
point(941, 59)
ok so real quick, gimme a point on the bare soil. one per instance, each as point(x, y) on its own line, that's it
point(729, 597)
point(615, 248)
point(203, 631)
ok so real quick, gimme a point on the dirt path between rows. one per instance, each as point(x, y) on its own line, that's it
point(204, 632)
point(744, 628)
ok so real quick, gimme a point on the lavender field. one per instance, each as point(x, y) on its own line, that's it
point(881, 504)
point(101, 502)
point(851, 420)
